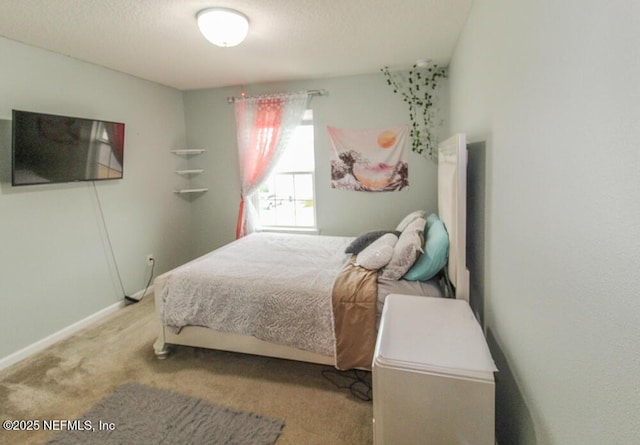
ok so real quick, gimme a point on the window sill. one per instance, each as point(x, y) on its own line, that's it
point(304, 230)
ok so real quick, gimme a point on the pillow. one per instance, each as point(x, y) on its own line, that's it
point(409, 219)
point(378, 253)
point(436, 253)
point(361, 242)
point(431, 219)
point(406, 250)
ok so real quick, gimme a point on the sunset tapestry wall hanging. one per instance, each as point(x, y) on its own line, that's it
point(369, 160)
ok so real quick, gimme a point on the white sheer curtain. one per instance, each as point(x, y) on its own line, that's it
point(264, 127)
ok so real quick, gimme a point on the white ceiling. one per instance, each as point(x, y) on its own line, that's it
point(159, 40)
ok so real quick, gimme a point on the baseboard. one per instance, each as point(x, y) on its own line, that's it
point(142, 293)
point(40, 345)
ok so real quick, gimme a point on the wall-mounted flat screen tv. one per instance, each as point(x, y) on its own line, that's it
point(48, 148)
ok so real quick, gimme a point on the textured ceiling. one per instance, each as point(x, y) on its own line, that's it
point(159, 40)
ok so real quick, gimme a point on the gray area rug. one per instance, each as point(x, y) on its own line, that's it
point(138, 414)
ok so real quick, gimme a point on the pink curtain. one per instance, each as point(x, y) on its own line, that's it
point(264, 127)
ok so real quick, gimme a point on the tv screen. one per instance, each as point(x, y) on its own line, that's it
point(49, 149)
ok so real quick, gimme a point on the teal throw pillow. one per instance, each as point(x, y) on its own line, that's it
point(436, 252)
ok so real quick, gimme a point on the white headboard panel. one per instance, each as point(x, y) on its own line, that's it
point(452, 208)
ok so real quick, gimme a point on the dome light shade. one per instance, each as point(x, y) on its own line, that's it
point(223, 27)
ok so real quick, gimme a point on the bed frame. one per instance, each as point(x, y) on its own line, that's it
point(452, 209)
point(452, 179)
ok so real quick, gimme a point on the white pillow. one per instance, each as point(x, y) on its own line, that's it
point(406, 251)
point(377, 254)
point(409, 219)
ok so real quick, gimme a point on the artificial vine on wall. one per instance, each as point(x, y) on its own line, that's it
point(417, 88)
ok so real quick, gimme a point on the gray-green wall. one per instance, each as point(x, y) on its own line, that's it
point(364, 101)
point(55, 266)
point(552, 88)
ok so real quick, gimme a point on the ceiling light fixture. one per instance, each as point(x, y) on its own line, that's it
point(223, 27)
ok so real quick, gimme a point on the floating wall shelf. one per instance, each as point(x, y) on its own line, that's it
point(189, 151)
point(189, 171)
point(187, 191)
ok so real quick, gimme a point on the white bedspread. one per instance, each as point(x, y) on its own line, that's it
point(275, 287)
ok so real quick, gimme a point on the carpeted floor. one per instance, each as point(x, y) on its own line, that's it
point(70, 377)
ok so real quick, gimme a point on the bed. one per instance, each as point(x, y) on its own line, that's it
point(303, 297)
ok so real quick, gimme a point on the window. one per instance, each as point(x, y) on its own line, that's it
point(287, 197)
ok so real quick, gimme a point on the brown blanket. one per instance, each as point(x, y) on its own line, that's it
point(354, 297)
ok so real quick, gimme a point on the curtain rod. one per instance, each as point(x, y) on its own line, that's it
point(232, 99)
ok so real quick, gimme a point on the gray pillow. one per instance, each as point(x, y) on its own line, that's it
point(363, 241)
point(378, 253)
point(410, 218)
